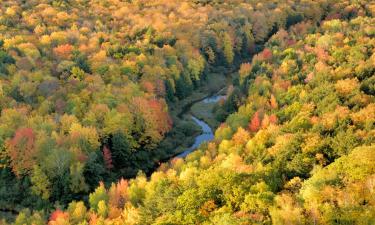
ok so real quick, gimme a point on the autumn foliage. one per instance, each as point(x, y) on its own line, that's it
point(266, 54)
point(255, 122)
point(63, 51)
point(58, 217)
point(107, 156)
point(22, 151)
point(262, 165)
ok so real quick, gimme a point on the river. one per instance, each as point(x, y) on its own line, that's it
point(207, 133)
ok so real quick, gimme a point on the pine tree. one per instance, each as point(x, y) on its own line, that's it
point(121, 153)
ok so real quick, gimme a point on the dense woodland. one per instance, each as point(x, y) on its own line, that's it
point(86, 88)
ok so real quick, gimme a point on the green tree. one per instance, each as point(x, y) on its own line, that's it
point(77, 179)
point(102, 209)
point(77, 73)
point(77, 212)
point(100, 194)
point(121, 150)
point(228, 48)
point(41, 184)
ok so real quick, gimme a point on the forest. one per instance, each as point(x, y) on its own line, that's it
point(93, 95)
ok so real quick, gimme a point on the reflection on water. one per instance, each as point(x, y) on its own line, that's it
point(213, 99)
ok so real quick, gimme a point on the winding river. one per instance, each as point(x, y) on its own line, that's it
point(207, 133)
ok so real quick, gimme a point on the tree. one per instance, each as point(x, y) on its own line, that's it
point(85, 138)
point(210, 55)
point(94, 170)
point(41, 184)
point(26, 217)
point(286, 211)
point(4, 60)
point(152, 120)
point(266, 121)
point(77, 73)
point(102, 209)
point(347, 86)
point(184, 86)
point(80, 60)
point(207, 208)
point(118, 194)
point(266, 54)
point(241, 136)
point(58, 217)
point(107, 157)
point(228, 48)
point(342, 186)
point(255, 122)
point(121, 150)
point(244, 71)
point(120, 120)
point(170, 90)
point(273, 119)
point(195, 67)
point(273, 102)
point(77, 179)
point(22, 151)
point(77, 212)
point(63, 51)
point(148, 86)
point(96, 197)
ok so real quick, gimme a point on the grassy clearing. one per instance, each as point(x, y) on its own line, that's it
point(216, 81)
point(203, 111)
point(184, 129)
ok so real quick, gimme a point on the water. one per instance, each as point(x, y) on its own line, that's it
point(214, 98)
point(207, 134)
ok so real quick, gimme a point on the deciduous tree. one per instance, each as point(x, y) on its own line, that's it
point(255, 122)
point(22, 151)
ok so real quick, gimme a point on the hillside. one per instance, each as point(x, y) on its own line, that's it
point(299, 151)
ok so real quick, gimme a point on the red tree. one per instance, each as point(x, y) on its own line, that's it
point(155, 115)
point(267, 54)
point(273, 119)
point(56, 215)
point(164, 122)
point(118, 193)
point(107, 157)
point(148, 86)
point(255, 123)
point(21, 150)
point(63, 51)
